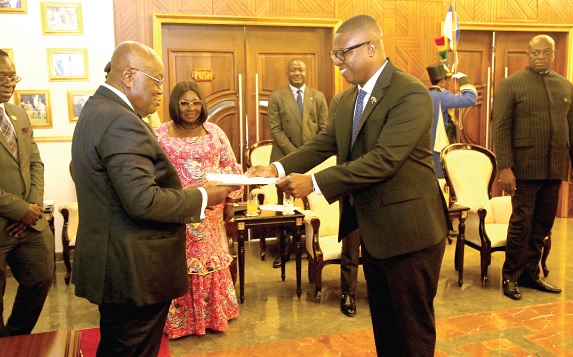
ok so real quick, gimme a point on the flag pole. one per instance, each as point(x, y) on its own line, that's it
point(455, 25)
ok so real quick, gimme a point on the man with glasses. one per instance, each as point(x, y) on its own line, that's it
point(380, 132)
point(130, 248)
point(296, 113)
point(533, 141)
point(26, 241)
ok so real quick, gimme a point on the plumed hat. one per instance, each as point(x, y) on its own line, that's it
point(438, 71)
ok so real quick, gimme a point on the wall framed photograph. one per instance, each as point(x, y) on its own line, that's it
point(13, 6)
point(76, 101)
point(62, 18)
point(65, 64)
point(37, 104)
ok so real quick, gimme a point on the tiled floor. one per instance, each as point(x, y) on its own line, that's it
point(471, 321)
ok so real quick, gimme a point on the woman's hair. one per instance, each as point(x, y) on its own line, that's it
point(176, 94)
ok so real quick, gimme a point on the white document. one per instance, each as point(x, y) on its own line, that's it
point(240, 180)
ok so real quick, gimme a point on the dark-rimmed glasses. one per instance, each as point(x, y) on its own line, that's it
point(10, 79)
point(185, 103)
point(158, 82)
point(341, 53)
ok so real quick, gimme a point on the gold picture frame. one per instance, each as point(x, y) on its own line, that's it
point(14, 6)
point(76, 101)
point(67, 64)
point(37, 105)
point(62, 18)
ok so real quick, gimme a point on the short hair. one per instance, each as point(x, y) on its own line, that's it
point(176, 94)
point(361, 23)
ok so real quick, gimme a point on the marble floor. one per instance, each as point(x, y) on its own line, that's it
point(471, 321)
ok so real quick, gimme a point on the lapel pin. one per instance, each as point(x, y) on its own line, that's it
point(14, 118)
point(25, 130)
point(373, 100)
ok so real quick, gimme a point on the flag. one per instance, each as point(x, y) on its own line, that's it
point(450, 26)
point(442, 48)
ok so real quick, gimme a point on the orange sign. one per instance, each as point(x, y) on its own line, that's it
point(203, 75)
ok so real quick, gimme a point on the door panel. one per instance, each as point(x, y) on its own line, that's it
point(270, 49)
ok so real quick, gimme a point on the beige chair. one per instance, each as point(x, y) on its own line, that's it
point(260, 154)
point(470, 171)
point(321, 229)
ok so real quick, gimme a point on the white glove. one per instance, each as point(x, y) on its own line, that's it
point(458, 75)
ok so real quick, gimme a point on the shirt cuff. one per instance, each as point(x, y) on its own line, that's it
point(204, 202)
point(280, 169)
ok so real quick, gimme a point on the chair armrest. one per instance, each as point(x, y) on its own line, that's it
point(501, 207)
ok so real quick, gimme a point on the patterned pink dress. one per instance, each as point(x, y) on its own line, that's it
point(211, 300)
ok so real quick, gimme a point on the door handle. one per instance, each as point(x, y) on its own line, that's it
point(241, 131)
point(257, 115)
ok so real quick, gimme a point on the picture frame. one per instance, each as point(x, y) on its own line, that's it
point(14, 6)
point(10, 52)
point(62, 18)
point(37, 105)
point(76, 101)
point(67, 64)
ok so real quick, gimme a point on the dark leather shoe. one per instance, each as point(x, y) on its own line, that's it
point(277, 261)
point(511, 290)
point(539, 284)
point(348, 305)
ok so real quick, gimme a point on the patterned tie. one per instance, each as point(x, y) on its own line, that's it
point(9, 133)
point(299, 101)
point(358, 113)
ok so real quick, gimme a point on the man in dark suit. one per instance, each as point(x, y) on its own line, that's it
point(533, 141)
point(296, 113)
point(26, 241)
point(387, 183)
point(130, 248)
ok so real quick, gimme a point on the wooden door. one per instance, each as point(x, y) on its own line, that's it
point(269, 49)
point(214, 57)
point(238, 66)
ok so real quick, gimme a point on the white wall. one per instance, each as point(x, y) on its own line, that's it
point(23, 34)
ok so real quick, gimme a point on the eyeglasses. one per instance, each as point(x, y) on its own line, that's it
point(185, 103)
point(341, 53)
point(10, 79)
point(536, 53)
point(159, 82)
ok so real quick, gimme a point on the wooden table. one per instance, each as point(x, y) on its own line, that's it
point(461, 213)
point(240, 224)
point(61, 343)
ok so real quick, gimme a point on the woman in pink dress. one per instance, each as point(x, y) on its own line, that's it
point(197, 147)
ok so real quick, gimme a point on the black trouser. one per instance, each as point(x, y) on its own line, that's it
point(534, 208)
point(31, 260)
point(131, 330)
point(349, 261)
point(401, 293)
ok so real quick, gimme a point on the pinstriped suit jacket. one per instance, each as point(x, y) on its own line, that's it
point(533, 125)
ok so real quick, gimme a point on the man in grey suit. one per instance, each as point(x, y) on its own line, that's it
point(26, 241)
point(386, 180)
point(130, 248)
point(533, 142)
point(295, 113)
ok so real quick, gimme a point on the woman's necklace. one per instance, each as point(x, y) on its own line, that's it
point(192, 129)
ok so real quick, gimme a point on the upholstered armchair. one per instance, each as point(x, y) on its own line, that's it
point(470, 171)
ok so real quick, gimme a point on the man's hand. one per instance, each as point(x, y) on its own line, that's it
point(217, 194)
point(33, 214)
point(17, 229)
point(458, 75)
point(262, 171)
point(507, 181)
point(296, 185)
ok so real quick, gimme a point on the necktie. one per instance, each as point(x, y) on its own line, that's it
point(299, 100)
point(358, 113)
point(9, 133)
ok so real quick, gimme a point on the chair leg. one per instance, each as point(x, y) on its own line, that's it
point(318, 283)
point(66, 257)
point(485, 259)
point(545, 254)
point(311, 270)
point(263, 244)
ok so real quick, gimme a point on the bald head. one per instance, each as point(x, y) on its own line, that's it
point(137, 71)
point(541, 53)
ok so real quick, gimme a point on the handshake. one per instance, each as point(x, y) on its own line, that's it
point(458, 75)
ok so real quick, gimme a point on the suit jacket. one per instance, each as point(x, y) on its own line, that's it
point(388, 171)
point(533, 125)
point(289, 129)
point(22, 180)
point(130, 246)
